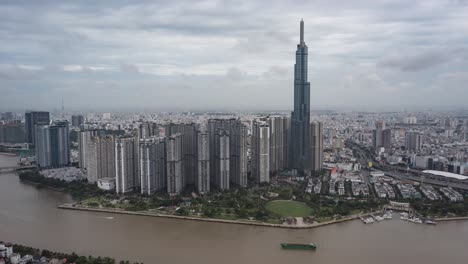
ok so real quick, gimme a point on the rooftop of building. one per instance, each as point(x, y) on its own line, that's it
point(446, 174)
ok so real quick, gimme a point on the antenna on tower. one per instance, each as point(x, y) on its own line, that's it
point(63, 109)
point(302, 32)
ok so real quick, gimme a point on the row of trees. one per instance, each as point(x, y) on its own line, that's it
point(79, 189)
point(71, 258)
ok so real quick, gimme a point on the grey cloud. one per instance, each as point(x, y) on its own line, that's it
point(129, 68)
point(233, 51)
point(417, 62)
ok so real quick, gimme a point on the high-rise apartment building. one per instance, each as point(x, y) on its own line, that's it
point(11, 131)
point(413, 141)
point(387, 139)
point(175, 181)
point(188, 134)
point(53, 145)
point(279, 128)
point(77, 120)
point(316, 140)
point(202, 182)
point(260, 151)
point(300, 117)
point(222, 160)
point(237, 133)
point(377, 134)
point(100, 158)
point(152, 165)
point(84, 138)
point(127, 178)
point(32, 120)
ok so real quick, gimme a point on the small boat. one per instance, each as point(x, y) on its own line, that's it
point(310, 246)
point(415, 220)
point(430, 222)
point(379, 218)
point(387, 216)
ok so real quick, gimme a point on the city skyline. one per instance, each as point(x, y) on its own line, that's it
point(203, 57)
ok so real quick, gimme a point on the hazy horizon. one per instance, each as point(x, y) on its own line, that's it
point(227, 56)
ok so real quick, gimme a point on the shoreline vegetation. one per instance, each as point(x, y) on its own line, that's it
point(285, 206)
point(216, 220)
point(71, 258)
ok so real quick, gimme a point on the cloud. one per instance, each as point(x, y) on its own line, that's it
point(228, 54)
point(129, 68)
point(416, 62)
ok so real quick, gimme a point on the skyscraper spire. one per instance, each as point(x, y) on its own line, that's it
point(302, 32)
point(300, 151)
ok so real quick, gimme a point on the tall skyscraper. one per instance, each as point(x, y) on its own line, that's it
point(202, 182)
point(100, 158)
point(316, 140)
point(152, 165)
point(175, 181)
point(127, 178)
point(53, 145)
point(260, 151)
point(32, 120)
point(300, 117)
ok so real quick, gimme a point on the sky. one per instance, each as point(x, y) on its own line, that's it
point(232, 55)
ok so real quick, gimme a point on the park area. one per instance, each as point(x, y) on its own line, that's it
point(286, 208)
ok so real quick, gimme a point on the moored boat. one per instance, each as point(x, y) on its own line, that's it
point(310, 246)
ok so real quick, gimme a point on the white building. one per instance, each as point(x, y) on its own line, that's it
point(107, 184)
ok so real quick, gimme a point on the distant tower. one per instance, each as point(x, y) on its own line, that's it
point(300, 117)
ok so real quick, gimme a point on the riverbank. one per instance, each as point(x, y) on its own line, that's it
point(9, 154)
point(459, 218)
point(40, 185)
point(239, 222)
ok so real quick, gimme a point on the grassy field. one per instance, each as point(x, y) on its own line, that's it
point(289, 208)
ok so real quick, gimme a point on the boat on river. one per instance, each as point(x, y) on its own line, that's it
point(310, 246)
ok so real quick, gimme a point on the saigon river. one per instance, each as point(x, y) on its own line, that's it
point(30, 216)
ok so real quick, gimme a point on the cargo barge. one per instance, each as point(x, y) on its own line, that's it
point(310, 246)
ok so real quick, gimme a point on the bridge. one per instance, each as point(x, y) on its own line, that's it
point(15, 168)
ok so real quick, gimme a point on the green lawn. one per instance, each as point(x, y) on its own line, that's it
point(289, 208)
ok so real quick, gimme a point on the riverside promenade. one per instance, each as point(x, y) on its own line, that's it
point(239, 222)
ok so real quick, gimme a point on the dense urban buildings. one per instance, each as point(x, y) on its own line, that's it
point(300, 117)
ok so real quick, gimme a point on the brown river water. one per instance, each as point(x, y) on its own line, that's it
point(29, 216)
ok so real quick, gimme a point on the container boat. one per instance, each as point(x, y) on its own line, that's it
point(310, 246)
